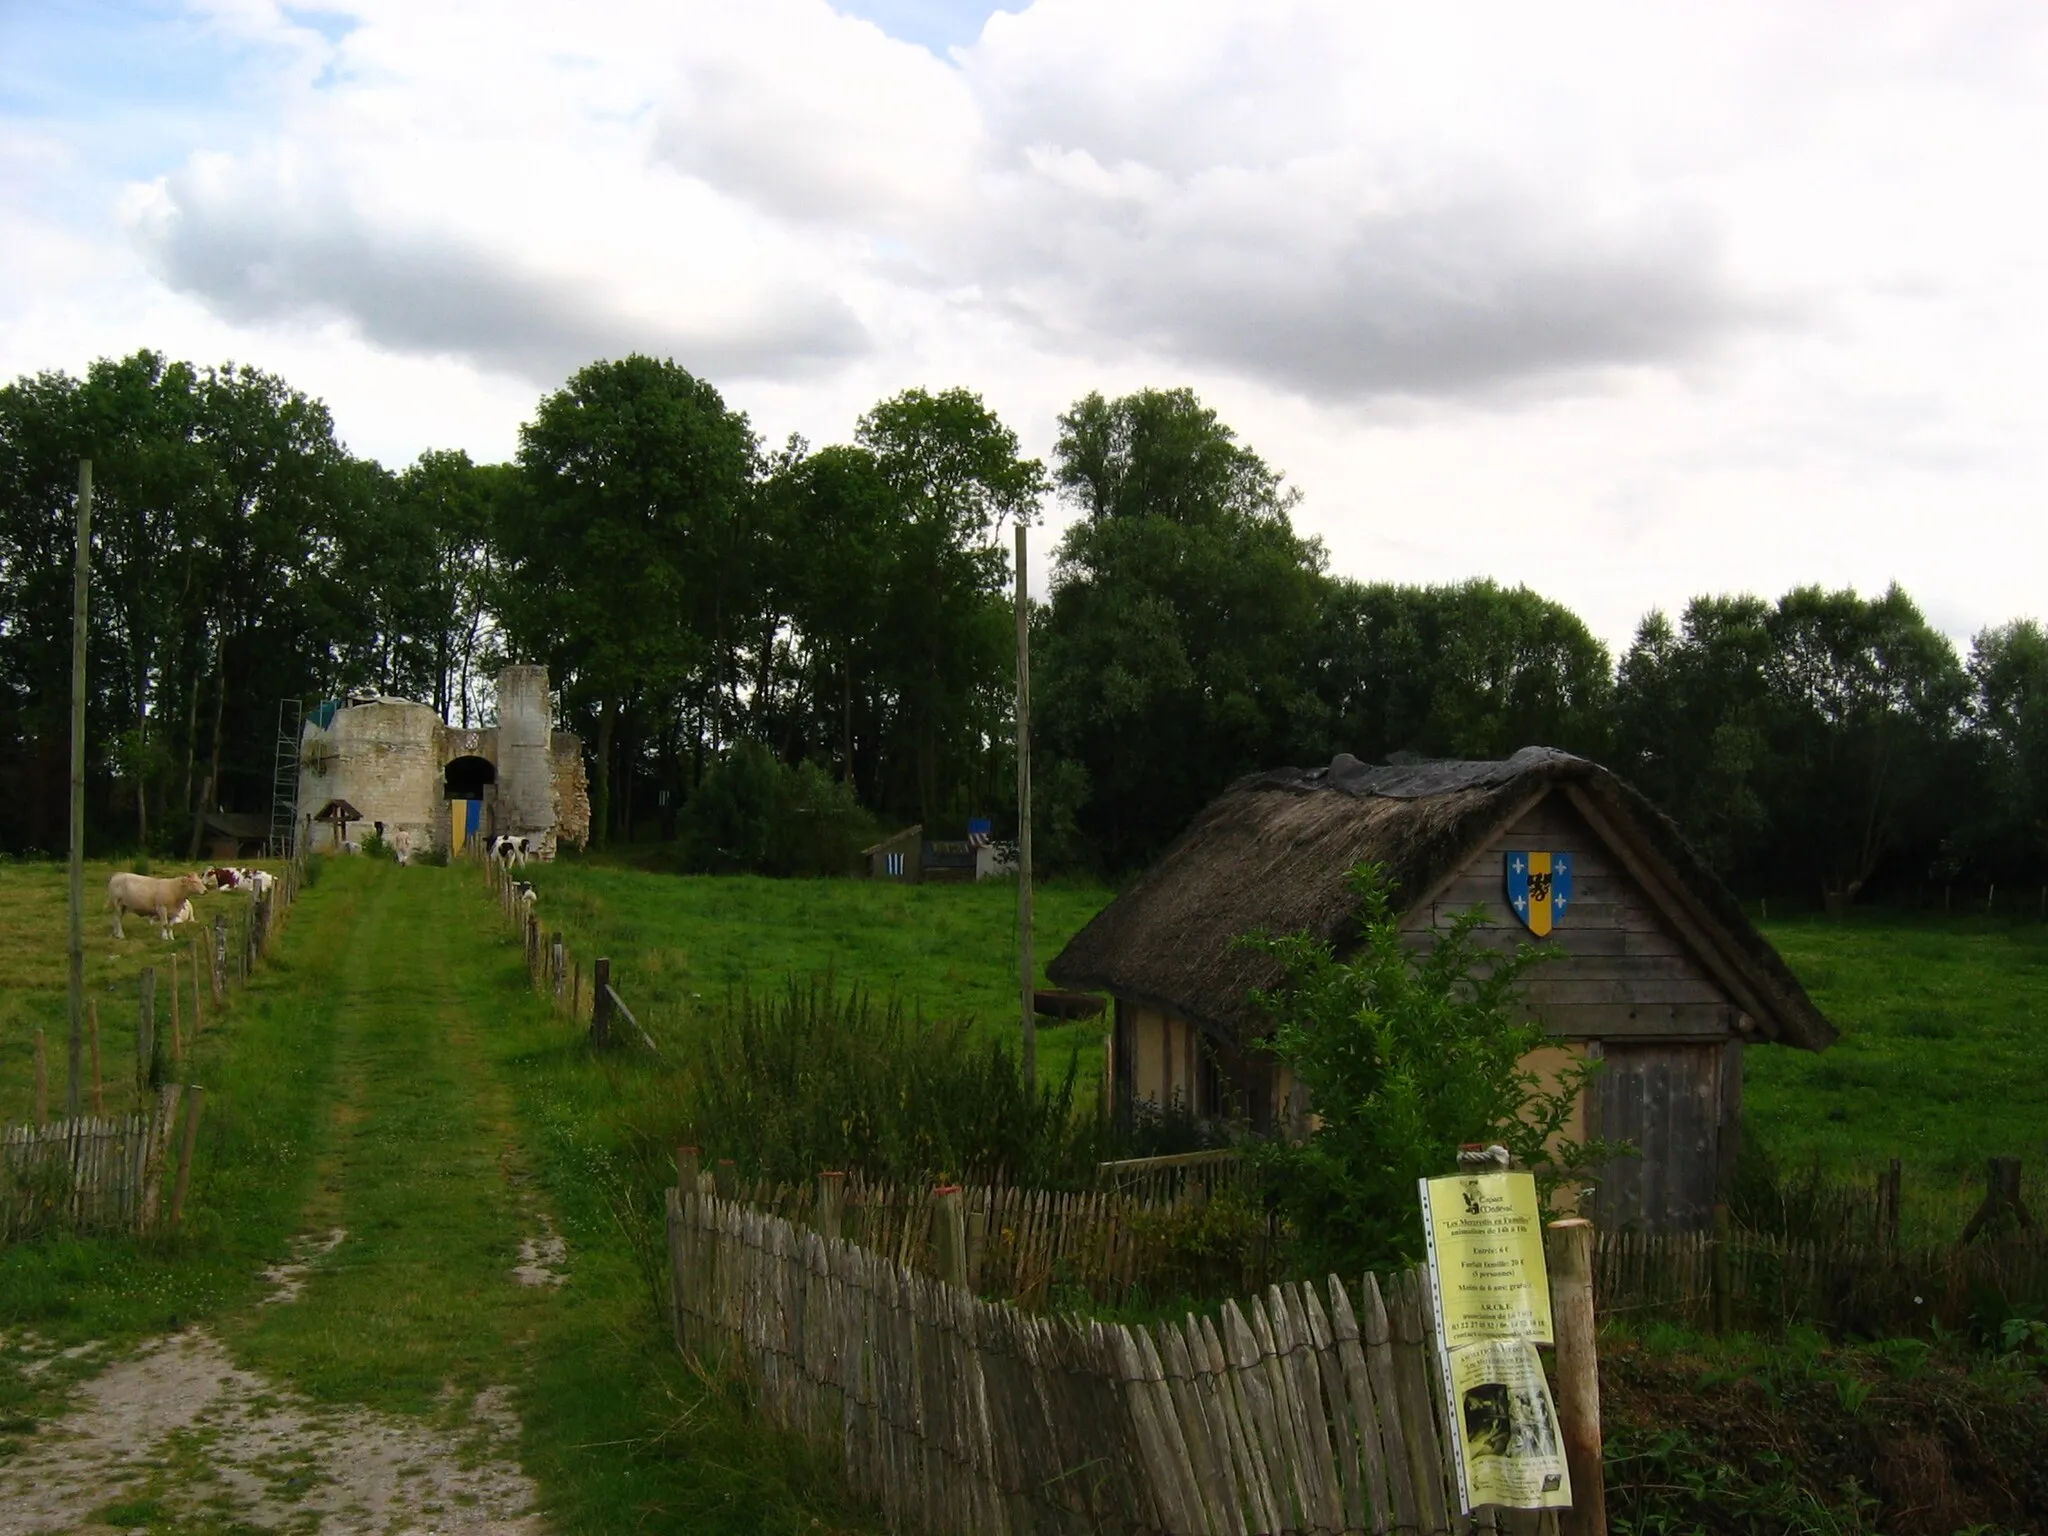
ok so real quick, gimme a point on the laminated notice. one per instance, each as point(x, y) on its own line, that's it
point(1504, 1428)
point(1485, 1235)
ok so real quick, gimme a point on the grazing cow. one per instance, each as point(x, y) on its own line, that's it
point(512, 852)
point(401, 844)
point(149, 896)
point(222, 878)
point(184, 912)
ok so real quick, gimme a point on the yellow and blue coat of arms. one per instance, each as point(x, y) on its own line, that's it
point(1539, 888)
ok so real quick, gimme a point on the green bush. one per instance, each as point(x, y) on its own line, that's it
point(754, 814)
point(1407, 1054)
point(819, 1079)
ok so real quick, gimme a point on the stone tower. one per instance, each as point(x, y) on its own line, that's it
point(525, 800)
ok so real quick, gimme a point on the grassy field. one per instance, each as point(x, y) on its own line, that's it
point(684, 942)
point(1943, 1059)
point(34, 916)
point(389, 1074)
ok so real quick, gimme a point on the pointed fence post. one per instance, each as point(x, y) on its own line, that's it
point(146, 1074)
point(949, 1219)
point(831, 1214)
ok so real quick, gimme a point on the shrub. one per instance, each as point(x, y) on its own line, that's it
point(1407, 1054)
point(818, 1079)
point(753, 814)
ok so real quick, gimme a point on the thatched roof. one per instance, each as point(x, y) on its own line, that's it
point(1273, 853)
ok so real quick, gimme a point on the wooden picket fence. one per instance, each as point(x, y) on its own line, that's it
point(1032, 1247)
point(1761, 1283)
point(97, 1174)
point(1293, 1412)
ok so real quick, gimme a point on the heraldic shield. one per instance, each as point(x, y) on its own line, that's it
point(1539, 889)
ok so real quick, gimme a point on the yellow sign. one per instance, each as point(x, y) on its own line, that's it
point(1504, 1428)
point(1485, 1237)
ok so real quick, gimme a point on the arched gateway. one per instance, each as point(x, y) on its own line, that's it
point(398, 762)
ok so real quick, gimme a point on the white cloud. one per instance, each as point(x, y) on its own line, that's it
point(1619, 300)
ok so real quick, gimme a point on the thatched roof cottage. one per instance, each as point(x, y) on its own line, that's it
point(1664, 979)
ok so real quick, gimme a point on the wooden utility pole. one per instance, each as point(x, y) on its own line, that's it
point(1027, 963)
point(81, 568)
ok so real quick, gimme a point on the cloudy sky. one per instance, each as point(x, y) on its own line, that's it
point(1624, 302)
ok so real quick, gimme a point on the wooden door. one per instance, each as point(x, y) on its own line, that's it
point(1667, 1102)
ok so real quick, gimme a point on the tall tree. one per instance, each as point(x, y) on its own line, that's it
point(617, 550)
point(955, 474)
point(1178, 649)
point(1472, 670)
point(2008, 833)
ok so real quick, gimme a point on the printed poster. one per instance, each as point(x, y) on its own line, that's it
point(1485, 1236)
point(1504, 1429)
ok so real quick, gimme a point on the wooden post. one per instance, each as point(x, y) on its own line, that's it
point(195, 1100)
point(688, 1161)
point(601, 1004)
point(1724, 1301)
point(831, 1217)
point(99, 1106)
point(81, 583)
point(2001, 1194)
point(949, 1235)
point(42, 1083)
point(177, 1022)
point(725, 1177)
point(145, 1036)
point(1570, 1242)
point(1026, 963)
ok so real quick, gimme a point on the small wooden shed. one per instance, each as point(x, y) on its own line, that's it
point(1663, 977)
point(897, 858)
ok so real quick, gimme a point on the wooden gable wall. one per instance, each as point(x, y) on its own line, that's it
point(1633, 994)
point(1625, 972)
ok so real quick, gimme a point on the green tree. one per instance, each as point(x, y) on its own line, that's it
point(2009, 720)
point(1472, 670)
point(943, 650)
point(617, 553)
point(1406, 1054)
point(1177, 650)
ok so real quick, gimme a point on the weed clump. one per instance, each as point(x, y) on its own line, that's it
point(817, 1078)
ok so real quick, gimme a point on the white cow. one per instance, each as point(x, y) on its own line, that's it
point(149, 896)
point(401, 844)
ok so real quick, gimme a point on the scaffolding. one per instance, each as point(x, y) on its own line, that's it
point(284, 782)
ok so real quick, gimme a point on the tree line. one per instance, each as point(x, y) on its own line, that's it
point(774, 650)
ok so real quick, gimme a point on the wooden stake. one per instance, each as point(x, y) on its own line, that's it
point(195, 1100)
point(601, 1004)
point(99, 1106)
point(177, 1030)
point(145, 1037)
point(1570, 1242)
point(949, 1235)
point(81, 569)
point(42, 1083)
point(1026, 963)
point(831, 1215)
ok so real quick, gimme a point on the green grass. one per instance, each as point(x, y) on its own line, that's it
point(1943, 1056)
point(391, 1074)
point(34, 915)
point(685, 942)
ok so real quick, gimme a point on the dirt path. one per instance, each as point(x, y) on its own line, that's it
point(374, 1387)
